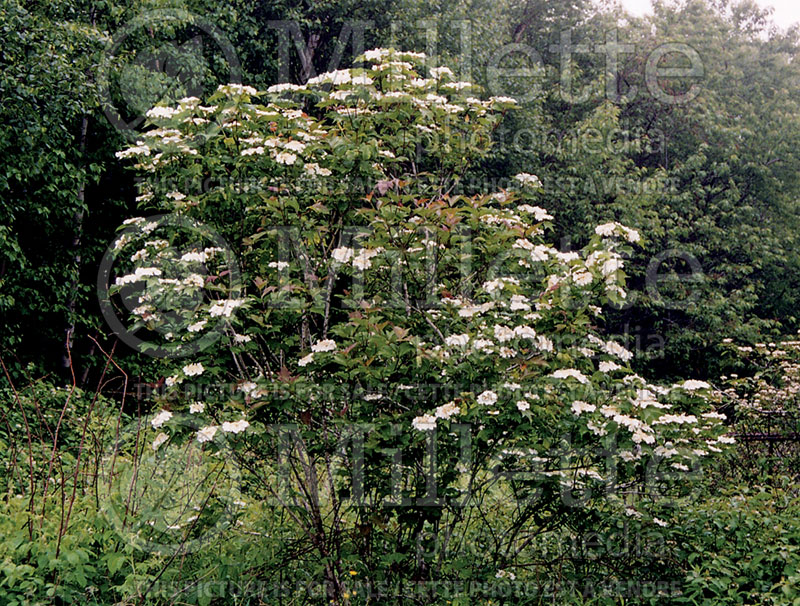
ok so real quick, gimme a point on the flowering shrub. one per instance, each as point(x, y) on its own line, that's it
point(762, 400)
point(436, 340)
point(776, 383)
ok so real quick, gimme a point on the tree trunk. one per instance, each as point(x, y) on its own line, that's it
point(77, 231)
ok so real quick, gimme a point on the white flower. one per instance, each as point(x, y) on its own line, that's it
point(541, 252)
point(361, 80)
point(377, 54)
point(523, 244)
point(523, 405)
point(191, 370)
point(544, 343)
point(161, 418)
point(519, 303)
point(470, 310)
point(342, 254)
point(503, 333)
point(279, 88)
point(458, 85)
point(663, 451)
point(610, 229)
point(237, 338)
point(641, 435)
point(424, 423)
point(142, 310)
point(596, 429)
point(197, 326)
point(563, 373)
point(306, 360)
point(680, 419)
point(279, 265)
point(451, 108)
point(133, 151)
point(235, 427)
point(509, 100)
point(484, 345)
point(566, 257)
point(206, 434)
point(285, 158)
point(492, 285)
point(487, 398)
point(363, 260)
point(138, 274)
point(170, 381)
point(632, 235)
point(248, 387)
point(645, 398)
point(199, 257)
point(583, 278)
point(615, 349)
point(438, 72)
point(660, 522)
point(324, 345)
point(692, 385)
point(161, 112)
point(457, 340)
point(196, 407)
point(195, 280)
point(630, 511)
point(445, 411)
point(525, 332)
point(579, 406)
point(313, 168)
point(250, 151)
point(160, 439)
point(538, 212)
point(341, 76)
point(236, 89)
point(608, 366)
point(611, 265)
point(606, 229)
point(528, 179)
point(295, 146)
point(224, 308)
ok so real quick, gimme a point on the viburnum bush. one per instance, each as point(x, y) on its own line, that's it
point(392, 352)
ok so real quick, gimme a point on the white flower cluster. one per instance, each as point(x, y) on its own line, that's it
point(529, 180)
point(236, 89)
point(616, 229)
point(362, 258)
